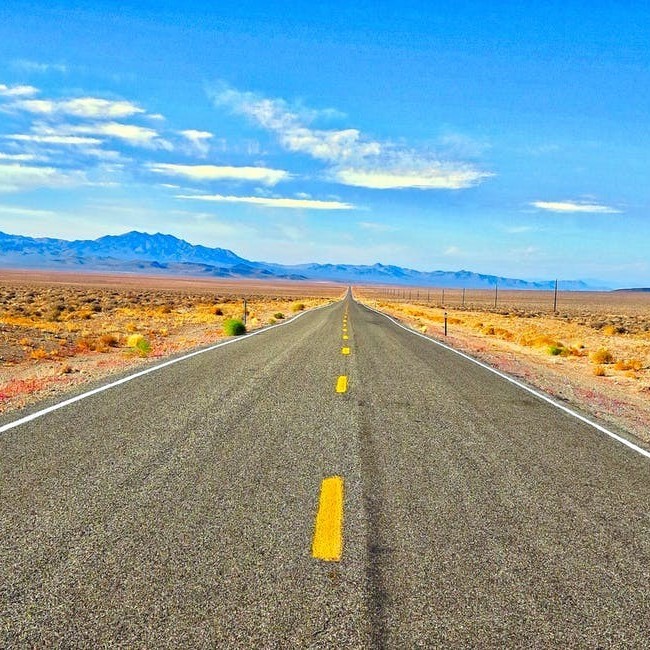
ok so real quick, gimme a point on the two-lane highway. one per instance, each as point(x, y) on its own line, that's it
point(182, 508)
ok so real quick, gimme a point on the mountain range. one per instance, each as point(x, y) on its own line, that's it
point(137, 252)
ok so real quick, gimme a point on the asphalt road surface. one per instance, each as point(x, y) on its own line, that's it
point(179, 509)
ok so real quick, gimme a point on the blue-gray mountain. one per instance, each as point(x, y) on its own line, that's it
point(137, 252)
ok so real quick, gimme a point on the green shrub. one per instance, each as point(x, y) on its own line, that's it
point(297, 306)
point(139, 344)
point(278, 315)
point(234, 327)
point(555, 349)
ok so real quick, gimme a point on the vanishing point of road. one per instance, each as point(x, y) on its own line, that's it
point(334, 482)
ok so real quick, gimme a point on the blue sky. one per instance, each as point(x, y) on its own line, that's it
point(500, 137)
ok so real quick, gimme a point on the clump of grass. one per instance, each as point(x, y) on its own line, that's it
point(298, 306)
point(109, 340)
point(138, 343)
point(278, 315)
point(556, 349)
point(599, 371)
point(609, 330)
point(628, 364)
point(600, 356)
point(234, 327)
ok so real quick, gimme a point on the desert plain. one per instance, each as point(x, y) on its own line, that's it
point(61, 331)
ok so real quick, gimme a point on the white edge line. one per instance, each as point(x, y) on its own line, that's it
point(528, 389)
point(146, 371)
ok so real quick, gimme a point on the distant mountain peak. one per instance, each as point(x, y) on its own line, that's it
point(136, 251)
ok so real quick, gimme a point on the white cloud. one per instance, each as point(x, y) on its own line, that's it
point(452, 251)
point(435, 177)
point(53, 139)
point(82, 107)
point(268, 202)
point(567, 207)
point(214, 172)
point(17, 91)
point(276, 116)
point(21, 178)
point(355, 158)
point(18, 157)
point(138, 136)
point(198, 141)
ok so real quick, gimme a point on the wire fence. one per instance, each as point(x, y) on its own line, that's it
point(516, 301)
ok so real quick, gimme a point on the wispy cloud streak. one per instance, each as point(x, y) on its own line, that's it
point(567, 207)
point(269, 202)
point(354, 158)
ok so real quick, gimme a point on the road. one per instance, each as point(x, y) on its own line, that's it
point(179, 509)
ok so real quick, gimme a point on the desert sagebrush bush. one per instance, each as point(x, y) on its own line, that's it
point(234, 327)
point(602, 355)
point(628, 364)
point(297, 306)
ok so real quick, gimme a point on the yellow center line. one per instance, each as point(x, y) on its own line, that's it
point(342, 384)
point(345, 350)
point(328, 532)
point(345, 337)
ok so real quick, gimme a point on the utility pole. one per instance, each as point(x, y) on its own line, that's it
point(463, 296)
point(496, 294)
point(245, 311)
point(555, 299)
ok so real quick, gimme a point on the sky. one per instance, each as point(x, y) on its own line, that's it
point(509, 138)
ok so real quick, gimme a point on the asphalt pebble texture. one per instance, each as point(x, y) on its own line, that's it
point(177, 510)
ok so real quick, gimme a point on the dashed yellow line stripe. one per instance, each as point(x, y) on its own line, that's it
point(342, 384)
point(328, 532)
point(345, 337)
point(345, 350)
